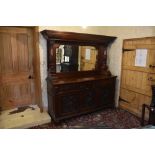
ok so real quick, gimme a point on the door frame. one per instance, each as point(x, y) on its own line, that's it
point(36, 63)
point(37, 74)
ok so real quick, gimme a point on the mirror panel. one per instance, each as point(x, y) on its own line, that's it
point(76, 58)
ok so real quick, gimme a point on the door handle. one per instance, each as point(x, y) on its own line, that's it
point(151, 79)
point(152, 66)
point(30, 77)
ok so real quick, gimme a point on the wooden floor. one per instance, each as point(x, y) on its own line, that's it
point(23, 118)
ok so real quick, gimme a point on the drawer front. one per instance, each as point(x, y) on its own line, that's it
point(60, 89)
point(65, 87)
point(105, 83)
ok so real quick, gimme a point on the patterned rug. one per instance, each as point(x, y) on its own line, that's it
point(105, 119)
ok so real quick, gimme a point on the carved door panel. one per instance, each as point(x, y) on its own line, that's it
point(88, 101)
point(68, 103)
point(87, 97)
point(16, 67)
point(105, 94)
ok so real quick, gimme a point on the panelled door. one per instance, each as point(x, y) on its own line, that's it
point(136, 80)
point(16, 67)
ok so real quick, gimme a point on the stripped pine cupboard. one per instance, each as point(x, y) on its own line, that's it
point(136, 81)
point(19, 76)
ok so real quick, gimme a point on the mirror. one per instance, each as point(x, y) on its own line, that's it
point(76, 58)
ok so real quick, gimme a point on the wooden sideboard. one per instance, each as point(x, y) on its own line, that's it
point(78, 92)
point(73, 97)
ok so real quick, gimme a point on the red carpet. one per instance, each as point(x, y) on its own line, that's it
point(105, 119)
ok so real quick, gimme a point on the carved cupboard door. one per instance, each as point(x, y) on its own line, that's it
point(16, 67)
point(105, 93)
point(87, 96)
point(136, 79)
point(68, 103)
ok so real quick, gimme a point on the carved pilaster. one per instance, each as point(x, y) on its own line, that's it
point(102, 61)
point(52, 56)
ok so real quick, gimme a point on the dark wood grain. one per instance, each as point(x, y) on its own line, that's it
point(60, 36)
point(78, 92)
point(74, 97)
point(55, 38)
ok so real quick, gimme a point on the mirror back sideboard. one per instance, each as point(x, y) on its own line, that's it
point(75, 92)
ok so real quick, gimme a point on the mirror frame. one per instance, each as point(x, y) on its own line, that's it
point(95, 63)
point(55, 38)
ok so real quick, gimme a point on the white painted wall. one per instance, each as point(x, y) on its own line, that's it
point(114, 54)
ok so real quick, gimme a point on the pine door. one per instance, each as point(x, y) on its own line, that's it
point(136, 81)
point(16, 67)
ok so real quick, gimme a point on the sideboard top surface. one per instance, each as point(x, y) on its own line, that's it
point(80, 79)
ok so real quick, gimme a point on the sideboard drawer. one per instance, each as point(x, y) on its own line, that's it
point(105, 83)
point(83, 86)
point(60, 89)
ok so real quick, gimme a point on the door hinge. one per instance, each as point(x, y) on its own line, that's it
point(120, 99)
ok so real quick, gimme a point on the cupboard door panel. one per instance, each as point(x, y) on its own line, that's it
point(87, 100)
point(105, 93)
point(67, 103)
